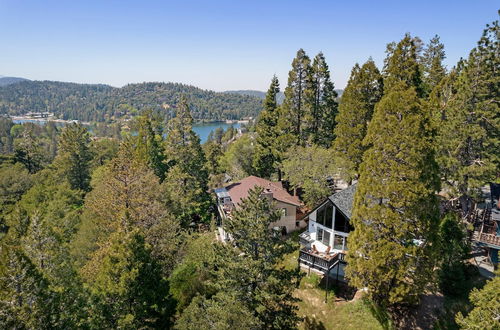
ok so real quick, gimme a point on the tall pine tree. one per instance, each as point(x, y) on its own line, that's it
point(395, 209)
point(297, 101)
point(252, 269)
point(324, 107)
point(149, 146)
point(266, 154)
point(468, 118)
point(432, 61)
point(364, 89)
point(187, 178)
point(74, 156)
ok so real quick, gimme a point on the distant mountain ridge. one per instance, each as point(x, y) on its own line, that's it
point(97, 102)
point(4, 81)
point(262, 95)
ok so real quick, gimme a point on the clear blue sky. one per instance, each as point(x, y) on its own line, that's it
point(219, 45)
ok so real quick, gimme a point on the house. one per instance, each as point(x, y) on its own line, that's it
point(324, 244)
point(487, 225)
point(229, 198)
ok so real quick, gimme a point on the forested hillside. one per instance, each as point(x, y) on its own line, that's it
point(4, 81)
point(117, 228)
point(98, 102)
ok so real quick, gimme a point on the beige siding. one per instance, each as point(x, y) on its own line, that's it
point(289, 220)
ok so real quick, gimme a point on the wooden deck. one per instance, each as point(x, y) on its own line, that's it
point(320, 262)
point(489, 239)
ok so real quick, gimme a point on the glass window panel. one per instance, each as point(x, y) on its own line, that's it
point(338, 242)
point(329, 216)
point(320, 216)
point(319, 234)
point(340, 222)
point(326, 238)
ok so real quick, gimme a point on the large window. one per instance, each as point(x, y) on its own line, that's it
point(324, 215)
point(323, 236)
point(338, 242)
point(341, 222)
point(326, 238)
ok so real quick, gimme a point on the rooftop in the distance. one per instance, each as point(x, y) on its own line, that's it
point(239, 190)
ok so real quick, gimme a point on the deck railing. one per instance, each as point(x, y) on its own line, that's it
point(491, 239)
point(322, 263)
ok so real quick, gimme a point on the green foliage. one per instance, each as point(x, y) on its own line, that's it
point(252, 271)
point(100, 103)
point(148, 146)
point(266, 154)
point(127, 284)
point(195, 274)
point(432, 61)
point(297, 100)
point(364, 89)
point(322, 118)
point(309, 168)
point(28, 152)
point(486, 312)
point(25, 299)
point(15, 180)
point(392, 249)
point(237, 161)
point(401, 68)
point(104, 150)
point(187, 178)
point(222, 312)
point(467, 118)
point(74, 156)
point(128, 195)
point(454, 251)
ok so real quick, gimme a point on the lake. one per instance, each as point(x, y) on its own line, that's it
point(203, 130)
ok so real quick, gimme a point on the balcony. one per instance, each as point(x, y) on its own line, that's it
point(489, 239)
point(320, 261)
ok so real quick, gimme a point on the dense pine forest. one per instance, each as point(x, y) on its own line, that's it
point(109, 229)
point(103, 103)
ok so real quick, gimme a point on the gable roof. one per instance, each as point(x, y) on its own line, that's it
point(239, 190)
point(344, 200)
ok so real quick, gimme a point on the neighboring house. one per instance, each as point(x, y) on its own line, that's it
point(487, 225)
point(324, 244)
point(229, 198)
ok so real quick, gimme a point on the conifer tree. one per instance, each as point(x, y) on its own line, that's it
point(221, 312)
point(187, 172)
point(26, 301)
point(127, 284)
point(128, 195)
point(364, 89)
point(266, 154)
point(395, 217)
point(296, 105)
point(401, 69)
point(486, 311)
point(75, 156)
point(468, 120)
point(252, 271)
point(148, 146)
point(28, 152)
point(432, 61)
point(183, 145)
point(324, 107)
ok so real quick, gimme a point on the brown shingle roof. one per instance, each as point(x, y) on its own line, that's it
point(239, 190)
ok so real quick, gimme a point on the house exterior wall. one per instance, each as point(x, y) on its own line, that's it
point(314, 226)
point(288, 220)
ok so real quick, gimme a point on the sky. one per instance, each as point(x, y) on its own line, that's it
point(219, 45)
